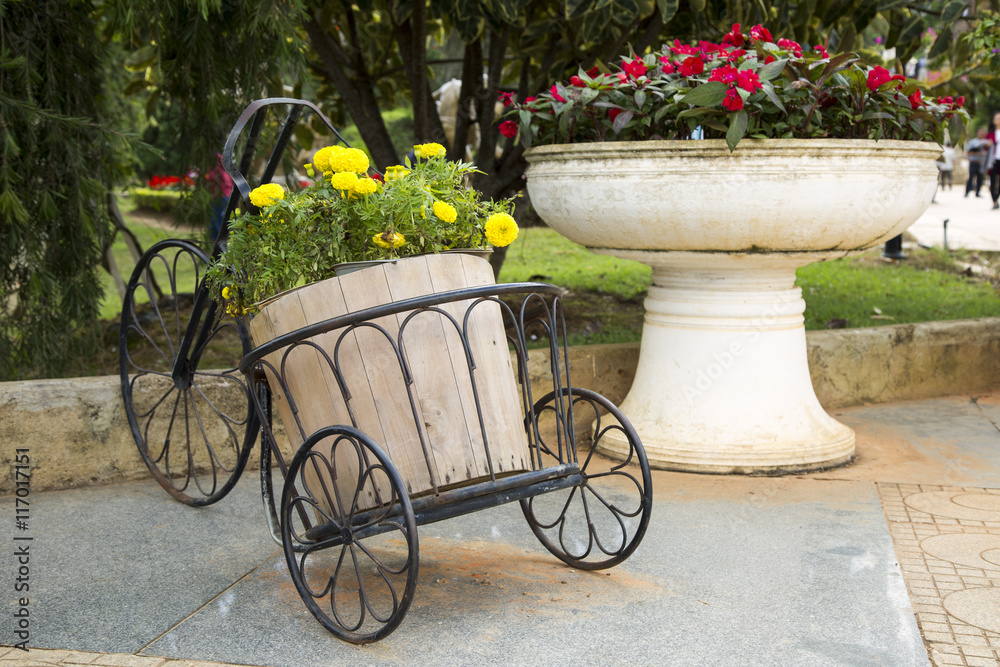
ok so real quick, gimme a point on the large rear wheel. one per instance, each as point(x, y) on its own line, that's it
point(191, 419)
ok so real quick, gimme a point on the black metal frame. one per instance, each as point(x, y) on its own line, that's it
point(310, 521)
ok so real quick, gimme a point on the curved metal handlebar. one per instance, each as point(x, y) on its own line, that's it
point(255, 111)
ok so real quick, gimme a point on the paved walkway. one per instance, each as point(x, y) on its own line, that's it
point(972, 222)
point(894, 560)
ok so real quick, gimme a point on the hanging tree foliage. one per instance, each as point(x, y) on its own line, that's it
point(58, 157)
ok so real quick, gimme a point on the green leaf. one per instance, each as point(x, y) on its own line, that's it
point(667, 9)
point(952, 12)
point(640, 98)
point(576, 9)
point(737, 129)
point(587, 95)
point(941, 44)
point(621, 120)
point(142, 58)
point(697, 6)
point(707, 94)
point(697, 111)
point(771, 70)
point(911, 30)
point(771, 95)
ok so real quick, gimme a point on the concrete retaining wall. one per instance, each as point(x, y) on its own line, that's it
point(78, 434)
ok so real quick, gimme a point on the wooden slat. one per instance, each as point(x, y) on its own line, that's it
point(365, 289)
point(434, 354)
point(494, 375)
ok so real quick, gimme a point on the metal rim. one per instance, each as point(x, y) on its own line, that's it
point(176, 424)
point(344, 555)
point(601, 522)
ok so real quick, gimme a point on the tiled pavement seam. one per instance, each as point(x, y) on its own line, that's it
point(10, 657)
point(930, 579)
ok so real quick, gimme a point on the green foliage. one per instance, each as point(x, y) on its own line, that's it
point(196, 64)
point(749, 85)
point(543, 255)
point(300, 237)
point(58, 158)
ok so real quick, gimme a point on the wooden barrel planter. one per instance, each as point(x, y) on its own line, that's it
point(437, 440)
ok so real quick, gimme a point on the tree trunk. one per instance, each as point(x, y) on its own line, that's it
point(359, 97)
point(410, 35)
point(472, 68)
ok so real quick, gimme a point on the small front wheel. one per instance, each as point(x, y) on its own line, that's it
point(600, 522)
point(349, 534)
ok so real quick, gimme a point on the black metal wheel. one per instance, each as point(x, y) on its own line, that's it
point(599, 523)
point(185, 400)
point(349, 534)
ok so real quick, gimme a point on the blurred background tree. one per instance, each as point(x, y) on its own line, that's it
point(191, 66)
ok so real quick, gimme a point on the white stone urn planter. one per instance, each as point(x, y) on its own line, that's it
point(723, 380)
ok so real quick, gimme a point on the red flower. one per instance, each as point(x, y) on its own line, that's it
point(577, 81)
point(508, 128)
point(692, 66)
point(684, 49)
point(668, 67)
point(769, 59)
point(734, 38)
point(613, 113)
point(735, 54)
point(789, 45)
point(732, 101)
point(877, 76)
point(761, 34)
point(726, 74)
point(915, 101)
point(749, 81)
point(592, 72)
point(822, 50)
point(635, 68)
point(529, 100)
point(622, 77)
point(378, 177)
point(554, 90)
point(506, 98)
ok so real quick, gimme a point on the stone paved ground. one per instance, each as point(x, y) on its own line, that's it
point(37, 657)
point(948, 542)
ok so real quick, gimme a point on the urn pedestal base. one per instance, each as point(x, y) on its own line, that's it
point(723, 378)
point(723, 384)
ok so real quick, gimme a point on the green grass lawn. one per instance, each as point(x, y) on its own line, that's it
point(542, 255)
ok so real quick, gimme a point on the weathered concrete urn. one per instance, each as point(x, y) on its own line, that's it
point(723, 381)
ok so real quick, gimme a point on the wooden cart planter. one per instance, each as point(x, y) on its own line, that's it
point(403, 408)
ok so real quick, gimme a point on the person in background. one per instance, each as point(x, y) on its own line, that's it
point(946, 164)
point(976, 149)
point(993, 137)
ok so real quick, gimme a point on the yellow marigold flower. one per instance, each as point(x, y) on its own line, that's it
point(445, 211)
point(225, 292)
point(321, 160)
point(501, 230)
point(389, 240)
point(366, 186)
point(395, 172)
point(309, 169)
point(266, 195)
point(344, 180)
point(428, 150)
point(347, 159)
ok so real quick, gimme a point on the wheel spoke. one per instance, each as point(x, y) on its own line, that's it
point(195, 448)
point(601, 522)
